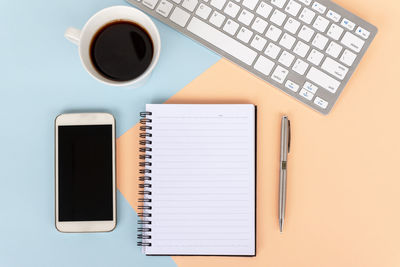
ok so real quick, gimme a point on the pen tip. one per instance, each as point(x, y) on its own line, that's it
point(281, 225)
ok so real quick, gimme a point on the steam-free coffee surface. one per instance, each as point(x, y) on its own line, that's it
point(121, 50)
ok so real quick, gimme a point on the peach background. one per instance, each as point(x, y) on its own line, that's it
point(343, 206)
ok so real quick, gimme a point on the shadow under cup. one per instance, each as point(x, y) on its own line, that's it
point(121, 50)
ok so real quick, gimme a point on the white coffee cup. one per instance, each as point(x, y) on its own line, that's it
point(83, 39)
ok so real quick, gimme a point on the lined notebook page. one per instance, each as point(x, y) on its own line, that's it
point(203, 180)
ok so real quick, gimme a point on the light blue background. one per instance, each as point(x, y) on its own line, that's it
point(41, 77)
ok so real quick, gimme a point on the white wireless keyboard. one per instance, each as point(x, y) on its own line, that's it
point(308, 49)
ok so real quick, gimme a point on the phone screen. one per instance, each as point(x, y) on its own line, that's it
point(85, 166)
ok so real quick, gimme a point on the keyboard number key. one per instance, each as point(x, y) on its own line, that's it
point(321, 24)
point(231, 27)
point(292, 86)
point(217, 19)
point(272, 50)
point(164, 8)
point(306, 33)
point(335, 32)
point(203, 11)
point(307, 15)
point(264, 65)
point(320, 102)
point(280, 74)
point(258, 43)
point(179, 16)
point(300, 66)
point(293, 8)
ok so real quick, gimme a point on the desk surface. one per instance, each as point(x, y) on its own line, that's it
point(343, 188)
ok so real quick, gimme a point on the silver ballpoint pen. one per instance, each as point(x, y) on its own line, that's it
point(285, 149)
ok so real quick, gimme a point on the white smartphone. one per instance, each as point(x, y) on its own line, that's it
point(85, 187)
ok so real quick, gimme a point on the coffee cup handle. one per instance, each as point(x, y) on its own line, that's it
point(73, 35)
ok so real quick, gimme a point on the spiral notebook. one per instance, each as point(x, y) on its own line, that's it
point(198, 173)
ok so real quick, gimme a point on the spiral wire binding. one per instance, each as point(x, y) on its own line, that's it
point(144, 205)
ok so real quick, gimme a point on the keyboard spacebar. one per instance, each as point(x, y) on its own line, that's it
point(222, 41)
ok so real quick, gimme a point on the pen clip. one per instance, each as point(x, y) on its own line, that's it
point(289, 136)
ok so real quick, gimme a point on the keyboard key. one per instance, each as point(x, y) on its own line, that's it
point(352, 42)
point(301, 49)
point(320, 8)
point(273, 33)
point(203, 11)
point(310, 87)
point(218, 3)
point(333, 16)
point(300, 66)
point(231, 27)
point(258, 43)
point(244, 35)
point(363, 33)
point(321, 103)
point(245, 17)
point(335, 32)
point(259, 25)
point(232, 9)
point(250, 4)
point(321, 24)
point(348, 24)
point(315, 57)
point(264, 65)
point(264, 9)
point(222, 41)
point(179, 16)
point(164, 8)
point(190, 4)
point(334, 68)
point(323, 80)
point(272, 50)
point(286, 59)
point(287, 41)
point(307, 15)
point(306, 94)
point(280, 74)
point(348, 57)
point(150, 3)
point(306, 2)
point(278, 3)
point(334, 49)
point(320, 41)
point(293, 8)
point(292, 86)
point(292, 25)
point(306, 33)
point(217, 19)
point(278, 17)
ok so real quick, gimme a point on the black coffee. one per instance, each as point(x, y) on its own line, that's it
point(121, 50)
